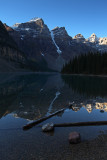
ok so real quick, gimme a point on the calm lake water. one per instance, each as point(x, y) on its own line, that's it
point(27, 97)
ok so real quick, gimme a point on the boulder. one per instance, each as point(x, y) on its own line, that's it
point(48, 127)
point(74, 138)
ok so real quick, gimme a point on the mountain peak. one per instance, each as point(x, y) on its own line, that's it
point(93, 35)
point(78, 36)
point(55, 28)
point(35, 19)
point(60, 31)
point(93, 38)
point(58, 28)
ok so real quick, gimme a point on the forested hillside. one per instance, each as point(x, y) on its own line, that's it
point(91, 63)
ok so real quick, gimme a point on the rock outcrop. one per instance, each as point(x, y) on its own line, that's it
point(48, 127)
point(93, 38)
point(79, 38)
point(103, 41)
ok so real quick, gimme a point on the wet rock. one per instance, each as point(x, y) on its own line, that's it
point(48, 127)
point(102, 111)
point(74, 138)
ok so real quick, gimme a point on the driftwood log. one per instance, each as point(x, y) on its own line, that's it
point(30, 125)
point(79, 124)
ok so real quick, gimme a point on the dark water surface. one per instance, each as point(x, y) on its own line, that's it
point(27, 97)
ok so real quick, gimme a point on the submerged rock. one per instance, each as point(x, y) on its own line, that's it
point(74, 138)
point(48, 127)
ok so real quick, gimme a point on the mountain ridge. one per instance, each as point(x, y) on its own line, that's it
point(53, 47)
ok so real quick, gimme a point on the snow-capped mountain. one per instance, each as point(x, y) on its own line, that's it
point(49, 47)
point(93, 41)
point(93, 38)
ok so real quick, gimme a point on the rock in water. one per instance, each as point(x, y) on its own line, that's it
point(74, 138)
point(48, 127)
point(102, 111)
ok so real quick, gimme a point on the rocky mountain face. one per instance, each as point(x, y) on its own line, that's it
point(50, 49)
point(34, 39)
point(79, 38)
point(100, 44)
point(47, 48)
point(9, 51)
point(93, 38)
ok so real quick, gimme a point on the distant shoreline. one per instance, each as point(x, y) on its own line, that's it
point(91, 75)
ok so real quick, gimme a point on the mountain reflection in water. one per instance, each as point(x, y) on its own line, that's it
point(32, 96)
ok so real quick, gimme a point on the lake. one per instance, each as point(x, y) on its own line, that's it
point(29, 96)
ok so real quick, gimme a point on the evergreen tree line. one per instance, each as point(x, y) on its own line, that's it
point(91, 63)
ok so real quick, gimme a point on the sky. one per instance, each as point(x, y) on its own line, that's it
point(77, 16)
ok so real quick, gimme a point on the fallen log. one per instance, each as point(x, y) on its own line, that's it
point(79, 124)
point(30, 125)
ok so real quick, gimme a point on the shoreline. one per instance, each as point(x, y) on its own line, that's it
point(88, 75)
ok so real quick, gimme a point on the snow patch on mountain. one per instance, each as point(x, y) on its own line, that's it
point(16, 25)
point(27, 29)
point(34, 19)
point(42, 54)
point(52, 36)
